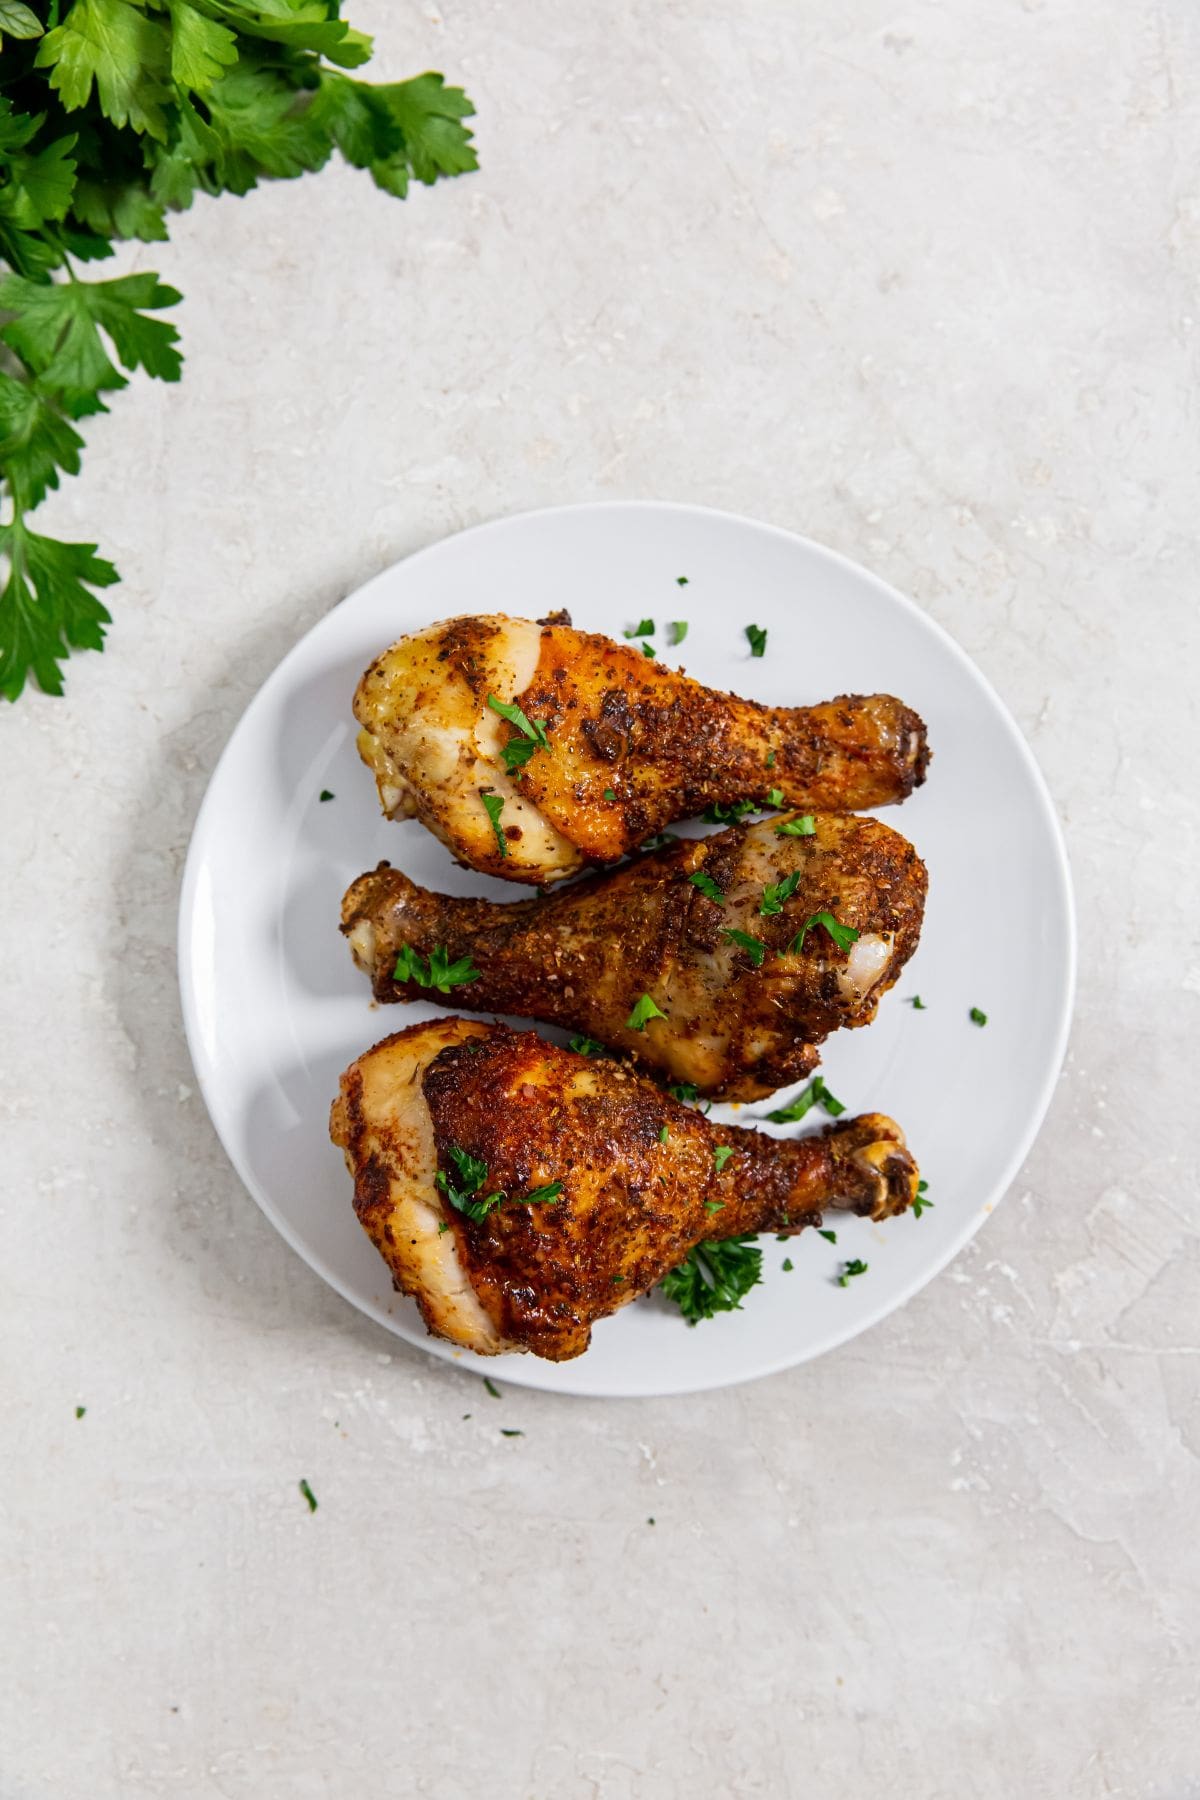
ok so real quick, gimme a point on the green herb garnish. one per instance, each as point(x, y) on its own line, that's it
point(842, 935)
point(707, 886)
point(472, 1173)
point(679, 630)
point(714, 1278)
point(493, 805)
point(683, 1090)
point(435, 971)
point(681, 581)
point(788, 1265)
point(491, 1387)
point(917, 1004)
point(609, 794)
point(775, 797)
point(510, 1431)
point(815, 1094)
point(850, 1269)
point(805, 826)
point(585, 1046)
point(80, 1411)
point(770, 759)
point(719, 814)
point(754, 947)
point(777, 894)
point(325, 794)
point(113, 116)
point(721, 1155)
point(644, 1010)
point(921, 1201)
point(308, 1495)
point(645, 629)
point(517, 752)
point(758, 639)
point(977, 1017)
point(829, 1236)
point(663, 1135)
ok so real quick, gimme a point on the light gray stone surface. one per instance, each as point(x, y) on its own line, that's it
point(920, 283)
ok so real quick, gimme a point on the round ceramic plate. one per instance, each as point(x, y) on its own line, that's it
point(275, 1009)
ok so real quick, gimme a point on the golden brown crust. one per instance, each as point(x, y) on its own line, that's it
point(582, 957)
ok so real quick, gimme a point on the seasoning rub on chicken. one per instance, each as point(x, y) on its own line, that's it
point(744, 950)
point(520, 1192)
point(532, 750)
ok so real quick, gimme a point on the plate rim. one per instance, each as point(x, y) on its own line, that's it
point(524, 1371)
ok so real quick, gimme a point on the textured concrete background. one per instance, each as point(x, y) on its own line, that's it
point(919, 281)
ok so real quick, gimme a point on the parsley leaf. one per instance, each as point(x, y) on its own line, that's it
point(754, 947)
point(714, 1278)
point(917, 1004)
point(719, 814)
point(681, 581)
point(777, 894)
point(829, 1236)
point(585, 1046)
point(721, 1155)
point(850, 1269)
point(977, 1017)
point(643, 1011)
point(517, 752)
point(921, 1201)
point(707, 886)
point(18, 21)
point(802, 827)
point(815, 1094)
point(491, 1387)
point(472, 1173)
point(493, 805)
point(645, 629)
point(758, 639)
point(55, 331)
point(435, 971)
point(683, 1090)
point(308, 1495)
point(787, 1265)
point(325, 794)
point(679, 630)
point(650, 651)
point(46, 608)
point(842, 935)
point(663, 1134)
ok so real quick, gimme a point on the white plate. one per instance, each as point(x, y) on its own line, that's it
point(275, 1010)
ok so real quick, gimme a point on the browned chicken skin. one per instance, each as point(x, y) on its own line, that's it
point(639, 1174)
point(583, 957)
point(629, 746)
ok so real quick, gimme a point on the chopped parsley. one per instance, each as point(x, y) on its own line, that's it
point(714, 1206)
point(707, 886)
point(510, 1431)
point(717, 814)
point(842, 935)
point(829, 1236)
point(801, 827)
point(493, 805)
point(921, 1201)
point(917, 1004)
point(609, 794)
point(434, 971)
point(721, 1155)
point(472, 1173)
point(517, 752)
point(308, 1495)
point(491, 1387)
point(585, 1046)
point(664, 1135)
point(679, 630)
point(775, 797)
point(977, 1017)
point(681, 581)
point(815, 1094)
point(79, 1411)
point(645, 629)
point(714, 1278)
point(754, 947)
point(777, 894)
point(850, 1269)
point(770, 759)
point(649, 650)
point(788, 1265)
point(758, 639)
point(325, 794)
point(644, 1010)
point(683, 1090)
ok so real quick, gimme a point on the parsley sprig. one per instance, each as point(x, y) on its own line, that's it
point(842, 935)
point(714, 1278)
point(435, 970)
point(815, 1094)
point(113, 116)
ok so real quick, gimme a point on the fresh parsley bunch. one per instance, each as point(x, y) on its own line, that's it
point(112, 114)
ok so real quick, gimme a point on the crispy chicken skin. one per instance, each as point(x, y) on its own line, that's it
point(537, 1277)
point(632, 745)
point(581, 958)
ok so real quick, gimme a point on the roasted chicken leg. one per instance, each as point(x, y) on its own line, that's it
point(609, 747)
point(520, 1192)
point(706, 928)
